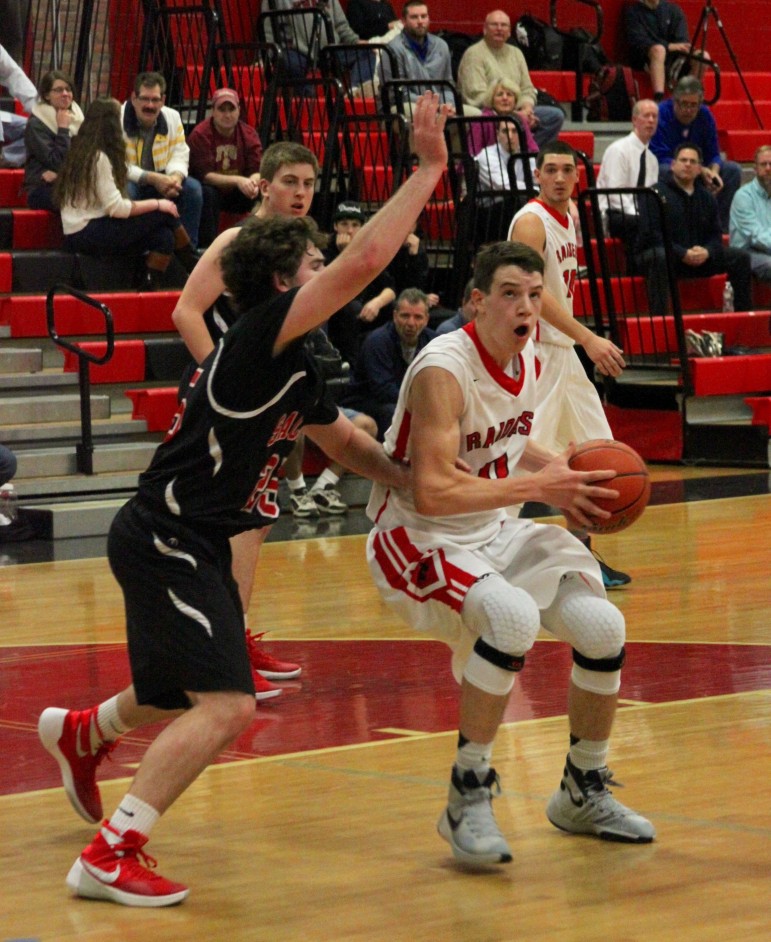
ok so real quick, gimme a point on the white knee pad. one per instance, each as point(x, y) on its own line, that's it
point(506, 621)
point(595, 629)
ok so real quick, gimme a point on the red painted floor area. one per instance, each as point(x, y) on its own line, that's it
point(348, 693)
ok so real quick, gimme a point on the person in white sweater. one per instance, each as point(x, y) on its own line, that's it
point(97, 216)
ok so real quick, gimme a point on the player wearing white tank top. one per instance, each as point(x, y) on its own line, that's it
point(569, 408)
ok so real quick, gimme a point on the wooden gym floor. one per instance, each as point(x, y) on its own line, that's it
point(319, 823)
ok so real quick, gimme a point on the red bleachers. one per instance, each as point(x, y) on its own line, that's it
point(36, 229)
point(133, 313)
point(646, 334)
point(579, 140)
point(6, 272)
point(761, 409)
point(11, 189)
point(156, 406)
point(726, 376)
point(126, 365)
point(741, 145)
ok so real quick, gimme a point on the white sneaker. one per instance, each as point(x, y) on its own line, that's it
point(584, 805)
point(302, 504)
point(328, 500)
point(468, 824)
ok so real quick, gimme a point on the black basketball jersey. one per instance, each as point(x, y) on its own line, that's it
point(238, 421)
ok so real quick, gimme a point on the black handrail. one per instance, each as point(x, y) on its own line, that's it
point(84, 450)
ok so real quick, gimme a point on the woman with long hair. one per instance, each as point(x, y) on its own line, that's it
point(54, 122)
point(97, 216)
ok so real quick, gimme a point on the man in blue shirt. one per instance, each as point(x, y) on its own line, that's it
point(385, 356)
point(751, 216)
point(685, 118)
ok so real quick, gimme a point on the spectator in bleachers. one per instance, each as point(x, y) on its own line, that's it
point(464, 315)
point(98, 218)
point(422, 56)
point(502, 99)
point(629, 162)
point(697, 242)
point(371, 308)
point(12, 126)
point(299, 56)
point(225, 155)
point(751, 216)
point(55, 120)
point(493, 57)
point(385, 355)
point(157, 152)
point(685, 117)
point(657, 31)
point(493, 161)
point(373, 20)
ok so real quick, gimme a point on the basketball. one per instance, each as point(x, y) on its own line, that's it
point(631, 481)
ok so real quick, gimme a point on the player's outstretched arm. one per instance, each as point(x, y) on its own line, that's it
point(343, 442)
point(204, 285)
point(376, 243)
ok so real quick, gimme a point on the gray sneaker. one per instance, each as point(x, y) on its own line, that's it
point(583, 804)
point(467, 823)
point(302, 504)
point(328, 500)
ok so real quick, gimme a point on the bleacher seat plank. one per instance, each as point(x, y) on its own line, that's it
point(727, 376)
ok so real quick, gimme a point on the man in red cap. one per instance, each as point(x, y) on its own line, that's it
point(225, 155)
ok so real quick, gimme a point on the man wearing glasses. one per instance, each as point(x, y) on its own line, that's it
point(685, 118)
point(156, 151)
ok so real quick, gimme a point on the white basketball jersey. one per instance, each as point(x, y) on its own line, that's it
point(494, 428)
point(561, 264)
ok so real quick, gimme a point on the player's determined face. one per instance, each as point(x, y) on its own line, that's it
point(312, 263)
point(507, 316)
point(290, 192)
point(557, 178)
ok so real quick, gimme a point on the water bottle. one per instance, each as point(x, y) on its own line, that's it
point(8, 506)
point(728, 298)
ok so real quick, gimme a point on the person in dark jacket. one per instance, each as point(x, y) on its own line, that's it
point(697, 242)
point(55, 120)
point(384, 357)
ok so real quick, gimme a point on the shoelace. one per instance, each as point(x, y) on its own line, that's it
point(251, 647)
point(133, 853)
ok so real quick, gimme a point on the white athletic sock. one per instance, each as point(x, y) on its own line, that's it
point(588, 754)
point(111, 726)
point(475, 756)
point(132, 814)
point(296, 484)
point(326, 477)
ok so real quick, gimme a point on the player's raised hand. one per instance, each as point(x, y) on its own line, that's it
point(427, 131)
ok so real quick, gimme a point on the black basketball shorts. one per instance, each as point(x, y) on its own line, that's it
point(184, 620)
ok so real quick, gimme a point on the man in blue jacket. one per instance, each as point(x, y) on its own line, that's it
point(685, 117)
point(384, 357)
point(697, 243)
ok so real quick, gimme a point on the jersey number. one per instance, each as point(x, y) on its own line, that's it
point(569, 276)
point(265, 494)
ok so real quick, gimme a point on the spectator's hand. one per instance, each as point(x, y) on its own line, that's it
point(63, 117)
point(166, 206)
point(413, 243)
point(679, 47)
point(433, 299)
point(342, 239)
point(369, 312)
point(248, 187)
point(606, 356)
point(695, 256)
point(527, 114)
point(712, 180)
point(48, 176)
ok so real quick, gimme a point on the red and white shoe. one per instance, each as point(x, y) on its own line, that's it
point(264, 689)
point(265, 664)
point(74, 739)
point(115, 873)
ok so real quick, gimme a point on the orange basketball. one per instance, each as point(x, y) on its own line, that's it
point(631, 481)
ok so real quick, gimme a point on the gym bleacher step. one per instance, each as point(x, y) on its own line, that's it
point(48, 408)
point(21, 360)
point(57, 462)
point(105, 431)
point(60, 521)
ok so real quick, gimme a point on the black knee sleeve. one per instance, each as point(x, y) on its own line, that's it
point(603, 665)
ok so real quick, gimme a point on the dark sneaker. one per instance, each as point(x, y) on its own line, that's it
point(115, 873)
point(611, 578)
point(329, 501)
point(468, 824)
point(583, 804)
point(74, 740)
